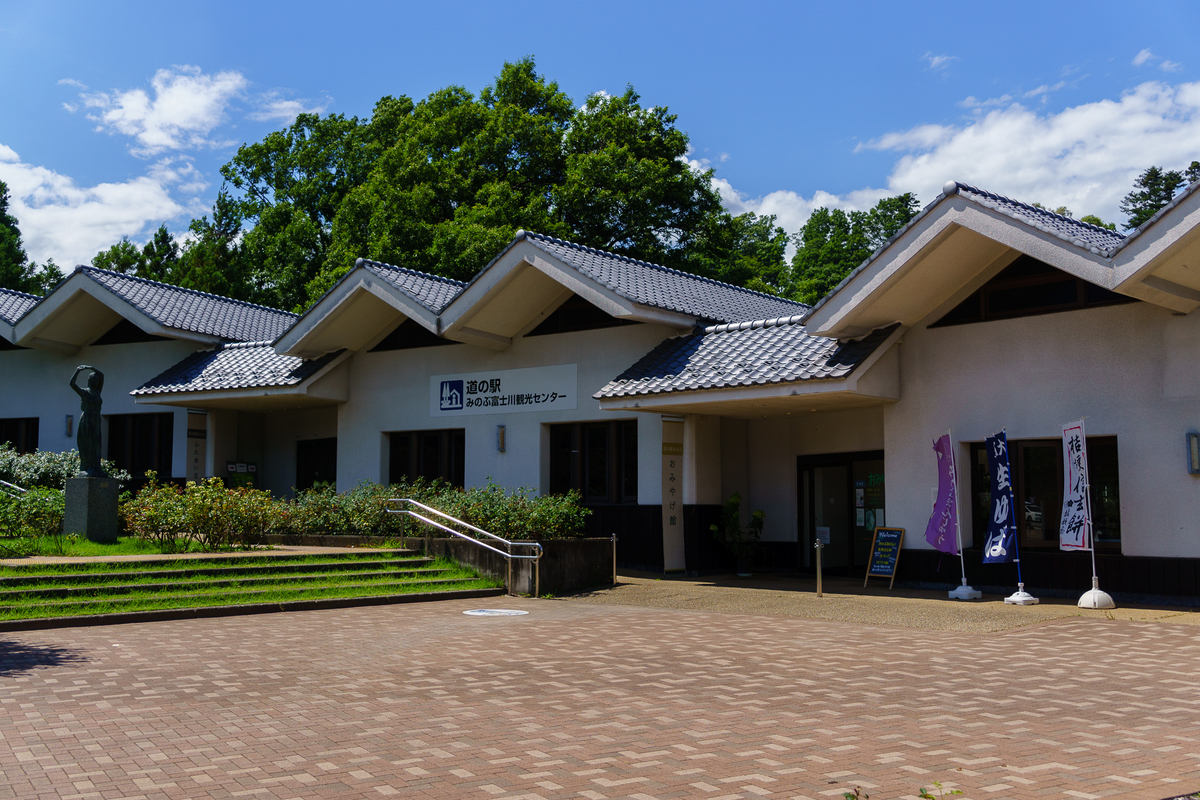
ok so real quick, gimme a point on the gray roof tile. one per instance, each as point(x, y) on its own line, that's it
point(432, 291)
point(241, 365)
point(661, 287)
point(197, 312)
point(1081, 234)
point(742, 354)
point(13, 305)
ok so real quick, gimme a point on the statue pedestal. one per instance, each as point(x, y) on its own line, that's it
point(91, 508)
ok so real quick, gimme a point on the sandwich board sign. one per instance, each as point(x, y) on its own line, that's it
point(885, 553)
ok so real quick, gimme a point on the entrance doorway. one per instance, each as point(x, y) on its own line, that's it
point(842, 495)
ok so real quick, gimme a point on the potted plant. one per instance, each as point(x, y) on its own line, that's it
point(741, 542)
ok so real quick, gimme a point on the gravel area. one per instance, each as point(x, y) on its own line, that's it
point(846, 601)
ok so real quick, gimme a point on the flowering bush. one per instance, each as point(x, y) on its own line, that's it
point(37, 512)
point(46, 468)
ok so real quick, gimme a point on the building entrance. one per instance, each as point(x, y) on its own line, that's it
point(840, 494)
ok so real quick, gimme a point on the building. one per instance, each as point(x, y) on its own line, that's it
point(658, 394)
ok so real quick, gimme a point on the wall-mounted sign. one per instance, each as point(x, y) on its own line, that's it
point(672, 496)
point(197, 442)
point(505, 391)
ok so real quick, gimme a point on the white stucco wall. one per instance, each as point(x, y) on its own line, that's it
point(389, 391)
point(774, 444)
point(34, 383)
point(1132, 370)
point(277, 470)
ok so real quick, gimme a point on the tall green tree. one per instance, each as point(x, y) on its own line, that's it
point(1153, 189)
point(746, 250)
point(124, 256)
point(17, 272)
point(214, 260)
point(832, 243)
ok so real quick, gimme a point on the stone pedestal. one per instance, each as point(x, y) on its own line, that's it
point(91, 508)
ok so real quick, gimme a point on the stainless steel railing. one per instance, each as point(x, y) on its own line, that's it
point(506, 553)
point(11, 489)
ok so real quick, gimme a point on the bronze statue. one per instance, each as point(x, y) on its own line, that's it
point(88, 435)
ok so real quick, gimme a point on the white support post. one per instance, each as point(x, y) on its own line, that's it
point(964, 592)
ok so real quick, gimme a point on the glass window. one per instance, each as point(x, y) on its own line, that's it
point(141, 442)
point(21, 433)
point(1037, 468)
point(432, 455)
point(598, 459)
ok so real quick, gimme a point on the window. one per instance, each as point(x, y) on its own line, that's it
point(125, 332)
point(409, 335)
point(1027, 287)
point(599, 459)
point(140, 442)
point(316, 462)
point(576, 314)
point(1037, 476)
point(21, 433)
point(431, 455)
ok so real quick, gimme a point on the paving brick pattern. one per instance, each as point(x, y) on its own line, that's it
point(577, 700)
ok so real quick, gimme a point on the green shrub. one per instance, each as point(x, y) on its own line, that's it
point(37, 512)
point(45, 468)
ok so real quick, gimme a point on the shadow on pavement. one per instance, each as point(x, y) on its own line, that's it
point(20, 657)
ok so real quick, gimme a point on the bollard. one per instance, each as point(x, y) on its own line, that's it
point(614, 544)
point(817, 546)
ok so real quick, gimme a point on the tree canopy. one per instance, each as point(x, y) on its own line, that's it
point(1153, 189)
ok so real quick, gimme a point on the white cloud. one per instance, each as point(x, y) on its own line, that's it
point(1170, 66)
point(973, 102)
point(1085, 157)
point(272, 107)
point(187, 105)
point(1045, 89)
point(1142, 58)
point(938, 62)
point(72, 82)
point(70, 223)
point(1164, 64)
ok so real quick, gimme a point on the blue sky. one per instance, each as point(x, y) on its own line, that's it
point(116, 117)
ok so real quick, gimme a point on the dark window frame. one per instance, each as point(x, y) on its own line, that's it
point(141, 442)
point(410, 335)
point(597, 459)
point(577, 314)
point(433, 454)
point(1098, 471)
point(21, 433)
point(1021, 281)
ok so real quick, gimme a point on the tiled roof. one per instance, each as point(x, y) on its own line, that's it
point(13, 305)
point(198, 312)
point(661, 287)
point(1081, 234)
point(243, 365)
point(743, 354)
point(431, 291)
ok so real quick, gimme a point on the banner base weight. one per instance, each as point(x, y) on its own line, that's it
point(965, 592)
point(1021, 597)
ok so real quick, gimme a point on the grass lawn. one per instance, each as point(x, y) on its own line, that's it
point(71, 546)
point(88, 588)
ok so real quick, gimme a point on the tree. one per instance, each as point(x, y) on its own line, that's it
point(832, 243)
point(160, 256)
point(746, 250)
point(124, 256)
point(1153, 189)
point(1092, 219)
point(17, 272)
point(214, 260)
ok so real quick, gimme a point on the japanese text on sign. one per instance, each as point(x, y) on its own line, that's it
point(504, 391)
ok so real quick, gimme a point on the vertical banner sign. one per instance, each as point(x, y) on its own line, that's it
point(1001, 544)
point(1076, 516)
point(197, 446)
point(942, 530)
point(672, 495)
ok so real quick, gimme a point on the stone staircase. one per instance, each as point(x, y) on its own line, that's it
point(104, 592)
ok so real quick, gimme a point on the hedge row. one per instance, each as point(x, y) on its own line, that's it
point(46, 468)
point(215, 517)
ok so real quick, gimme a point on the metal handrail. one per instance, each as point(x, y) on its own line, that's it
point(12, 489)
point(508, 555)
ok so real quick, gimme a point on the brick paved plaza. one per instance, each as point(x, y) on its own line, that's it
point(596, 701)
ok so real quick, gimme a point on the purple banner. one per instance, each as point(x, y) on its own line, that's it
point(942, 531)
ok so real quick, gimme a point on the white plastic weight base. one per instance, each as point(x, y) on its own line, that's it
point(1094, 598)
point(965, 592)
point(1021, 597)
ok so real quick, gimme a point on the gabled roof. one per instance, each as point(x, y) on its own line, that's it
point(432, 291)
point(966, 230)
point(14, 304)
point(366, 301)
point(662, 287)
point(241, 365)
point(190, 310)
point(743, 354)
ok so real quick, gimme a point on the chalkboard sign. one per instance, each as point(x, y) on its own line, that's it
point(885, 552)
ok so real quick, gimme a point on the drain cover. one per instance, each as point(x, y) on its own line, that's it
point(494, 612)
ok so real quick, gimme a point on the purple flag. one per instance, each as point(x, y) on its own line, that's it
point(942, 531)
